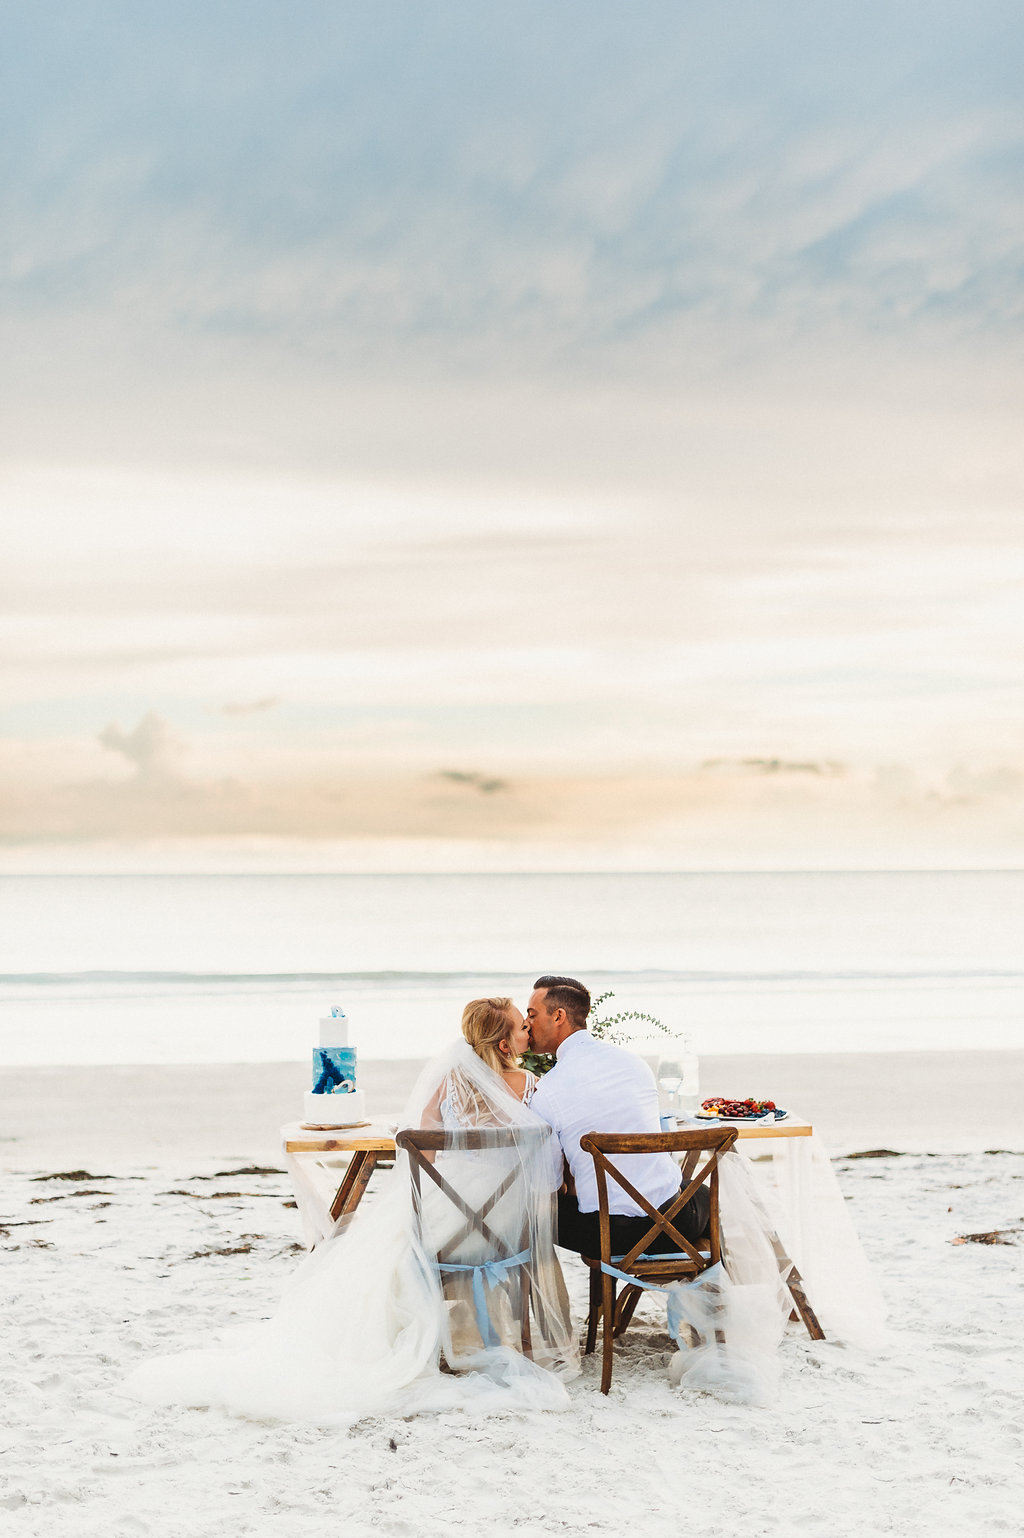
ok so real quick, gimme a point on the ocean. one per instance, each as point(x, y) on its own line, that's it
point(203, 969)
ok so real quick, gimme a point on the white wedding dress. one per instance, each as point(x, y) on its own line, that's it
point(370, 1315)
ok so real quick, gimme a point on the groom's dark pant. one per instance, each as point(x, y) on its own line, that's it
point(581, 1231)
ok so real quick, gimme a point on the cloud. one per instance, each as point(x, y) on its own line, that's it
point(554, 185)
point(484, 783)
point(152, 747)
point(251, 707)
point(1000, 783)
point(575, 393)
point(742, 815)
point(774, 766)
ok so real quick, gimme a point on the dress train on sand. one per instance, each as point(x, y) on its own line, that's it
point(368, 1319)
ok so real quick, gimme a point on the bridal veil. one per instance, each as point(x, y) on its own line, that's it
point(439, 1293)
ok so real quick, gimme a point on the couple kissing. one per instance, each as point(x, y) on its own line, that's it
point(592, 1087)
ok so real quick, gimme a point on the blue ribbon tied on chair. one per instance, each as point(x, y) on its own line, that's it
point(674, 1306)
point(493, 1271)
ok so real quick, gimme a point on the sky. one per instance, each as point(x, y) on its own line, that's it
point(561, 435)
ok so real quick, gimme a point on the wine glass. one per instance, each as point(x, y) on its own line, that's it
point(670, 1078)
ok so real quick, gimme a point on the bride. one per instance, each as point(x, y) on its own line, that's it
point(409, 1305)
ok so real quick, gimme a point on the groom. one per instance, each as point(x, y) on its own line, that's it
point(595, 1087)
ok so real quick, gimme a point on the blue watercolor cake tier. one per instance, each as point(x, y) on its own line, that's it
point(334, 1100)
point(334, 1070)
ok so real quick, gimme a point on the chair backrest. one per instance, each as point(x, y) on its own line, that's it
point(713, 1141)
point(421, 1147)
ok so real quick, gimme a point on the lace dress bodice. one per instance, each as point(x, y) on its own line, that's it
point(456, 1113)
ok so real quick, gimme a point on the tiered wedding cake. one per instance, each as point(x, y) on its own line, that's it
point(334, 1100)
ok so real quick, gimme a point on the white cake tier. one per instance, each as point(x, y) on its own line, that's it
point(333, 1033)
point(335, 1110)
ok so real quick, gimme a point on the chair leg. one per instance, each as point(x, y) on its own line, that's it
point(626, 1309)
point(524, 1304)
point(595, 1310)
point(608, 1330)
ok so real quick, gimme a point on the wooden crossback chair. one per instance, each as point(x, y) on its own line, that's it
point(502, 1262)
point(688, 1260)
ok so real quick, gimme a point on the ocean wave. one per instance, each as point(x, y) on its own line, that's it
point(440, 978)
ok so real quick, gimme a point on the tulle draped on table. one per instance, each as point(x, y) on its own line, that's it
point(803, 1202)
point(730, 1323)
point(372, 1322)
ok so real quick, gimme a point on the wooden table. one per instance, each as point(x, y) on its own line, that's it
point(369, 1145)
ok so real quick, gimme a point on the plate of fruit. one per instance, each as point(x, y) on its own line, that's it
point(721, 1109)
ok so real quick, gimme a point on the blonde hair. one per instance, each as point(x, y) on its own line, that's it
point(485, 1022)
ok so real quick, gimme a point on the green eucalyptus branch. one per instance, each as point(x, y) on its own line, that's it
point(539, 1063)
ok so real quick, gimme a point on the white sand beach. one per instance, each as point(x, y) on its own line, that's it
point(160, 1251)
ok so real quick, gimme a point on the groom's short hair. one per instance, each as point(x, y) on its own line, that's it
point(568, 994)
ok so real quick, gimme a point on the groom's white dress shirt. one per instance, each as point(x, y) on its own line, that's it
point(595, 1087)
